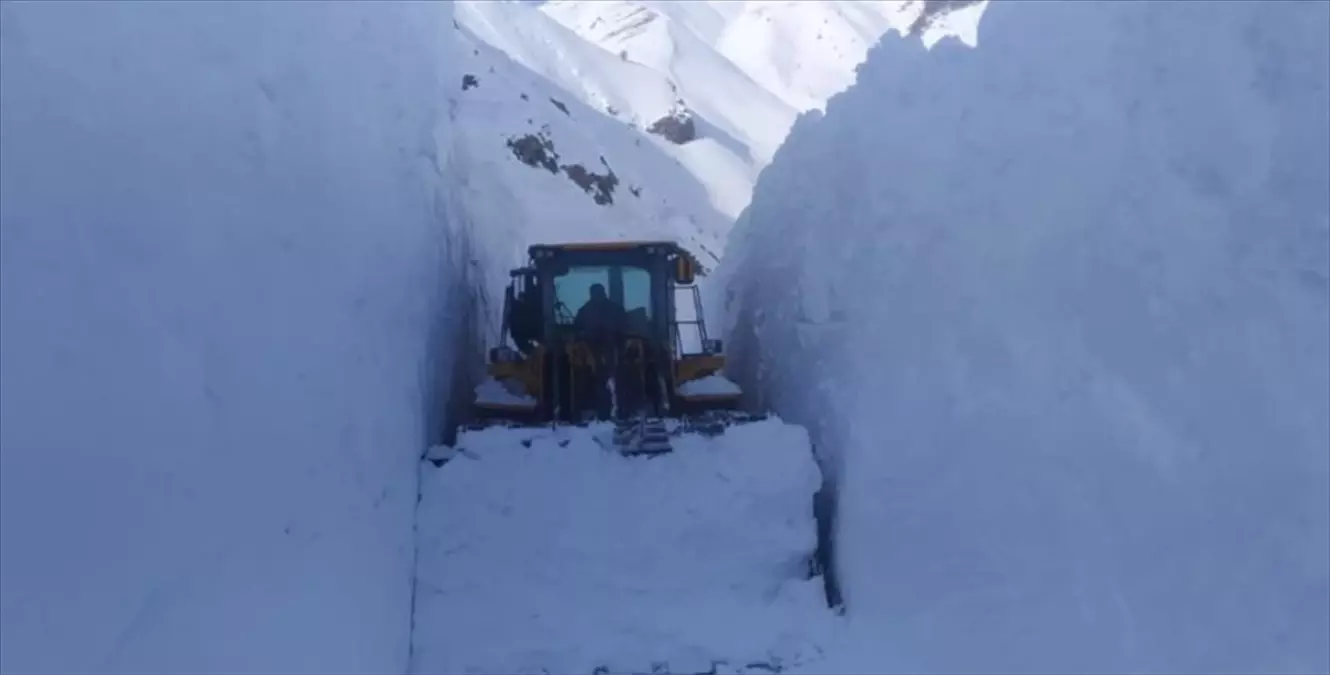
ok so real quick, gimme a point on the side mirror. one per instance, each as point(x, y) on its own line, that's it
point(684, 273)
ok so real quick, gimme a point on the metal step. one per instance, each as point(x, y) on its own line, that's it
point(644, 436)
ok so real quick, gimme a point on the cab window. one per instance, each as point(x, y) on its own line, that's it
point(637, 290)
point(574, 289)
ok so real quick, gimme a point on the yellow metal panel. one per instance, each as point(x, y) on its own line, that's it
point(696, 367)
point(528, 371)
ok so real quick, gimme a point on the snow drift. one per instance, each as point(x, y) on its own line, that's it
point(227, 268)
point(1057, 311)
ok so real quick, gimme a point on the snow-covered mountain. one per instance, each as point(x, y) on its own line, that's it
point(542, 164)
point(685, 102)
point(797, 53)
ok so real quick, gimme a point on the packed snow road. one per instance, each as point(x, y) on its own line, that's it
point(541, 551)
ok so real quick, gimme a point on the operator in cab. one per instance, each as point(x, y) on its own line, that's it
point(601, 318)
point(602, 322)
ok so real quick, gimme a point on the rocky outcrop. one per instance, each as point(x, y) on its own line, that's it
point(677, 127)
point(537, 151)
point(599, 186)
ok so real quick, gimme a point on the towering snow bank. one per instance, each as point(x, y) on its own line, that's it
point(1058, 310)
point(223, 272)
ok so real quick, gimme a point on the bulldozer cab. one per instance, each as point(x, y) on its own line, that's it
point(629, 287)
point(596, 333)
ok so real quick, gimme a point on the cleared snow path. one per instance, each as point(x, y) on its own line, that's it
point(542, 552)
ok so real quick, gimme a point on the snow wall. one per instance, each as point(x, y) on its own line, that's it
point(229, 282)
point(1056, 310)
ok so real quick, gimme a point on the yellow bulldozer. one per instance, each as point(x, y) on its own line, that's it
point(597, 331)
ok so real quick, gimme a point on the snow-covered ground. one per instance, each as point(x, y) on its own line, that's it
point(541, 551)
point(227, 284)
point(1058, 310)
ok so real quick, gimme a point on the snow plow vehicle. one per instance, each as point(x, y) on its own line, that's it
point(596, 331)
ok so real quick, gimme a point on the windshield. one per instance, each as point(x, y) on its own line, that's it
point(573, 289)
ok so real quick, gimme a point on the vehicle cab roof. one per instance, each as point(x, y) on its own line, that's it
point(539, 251)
